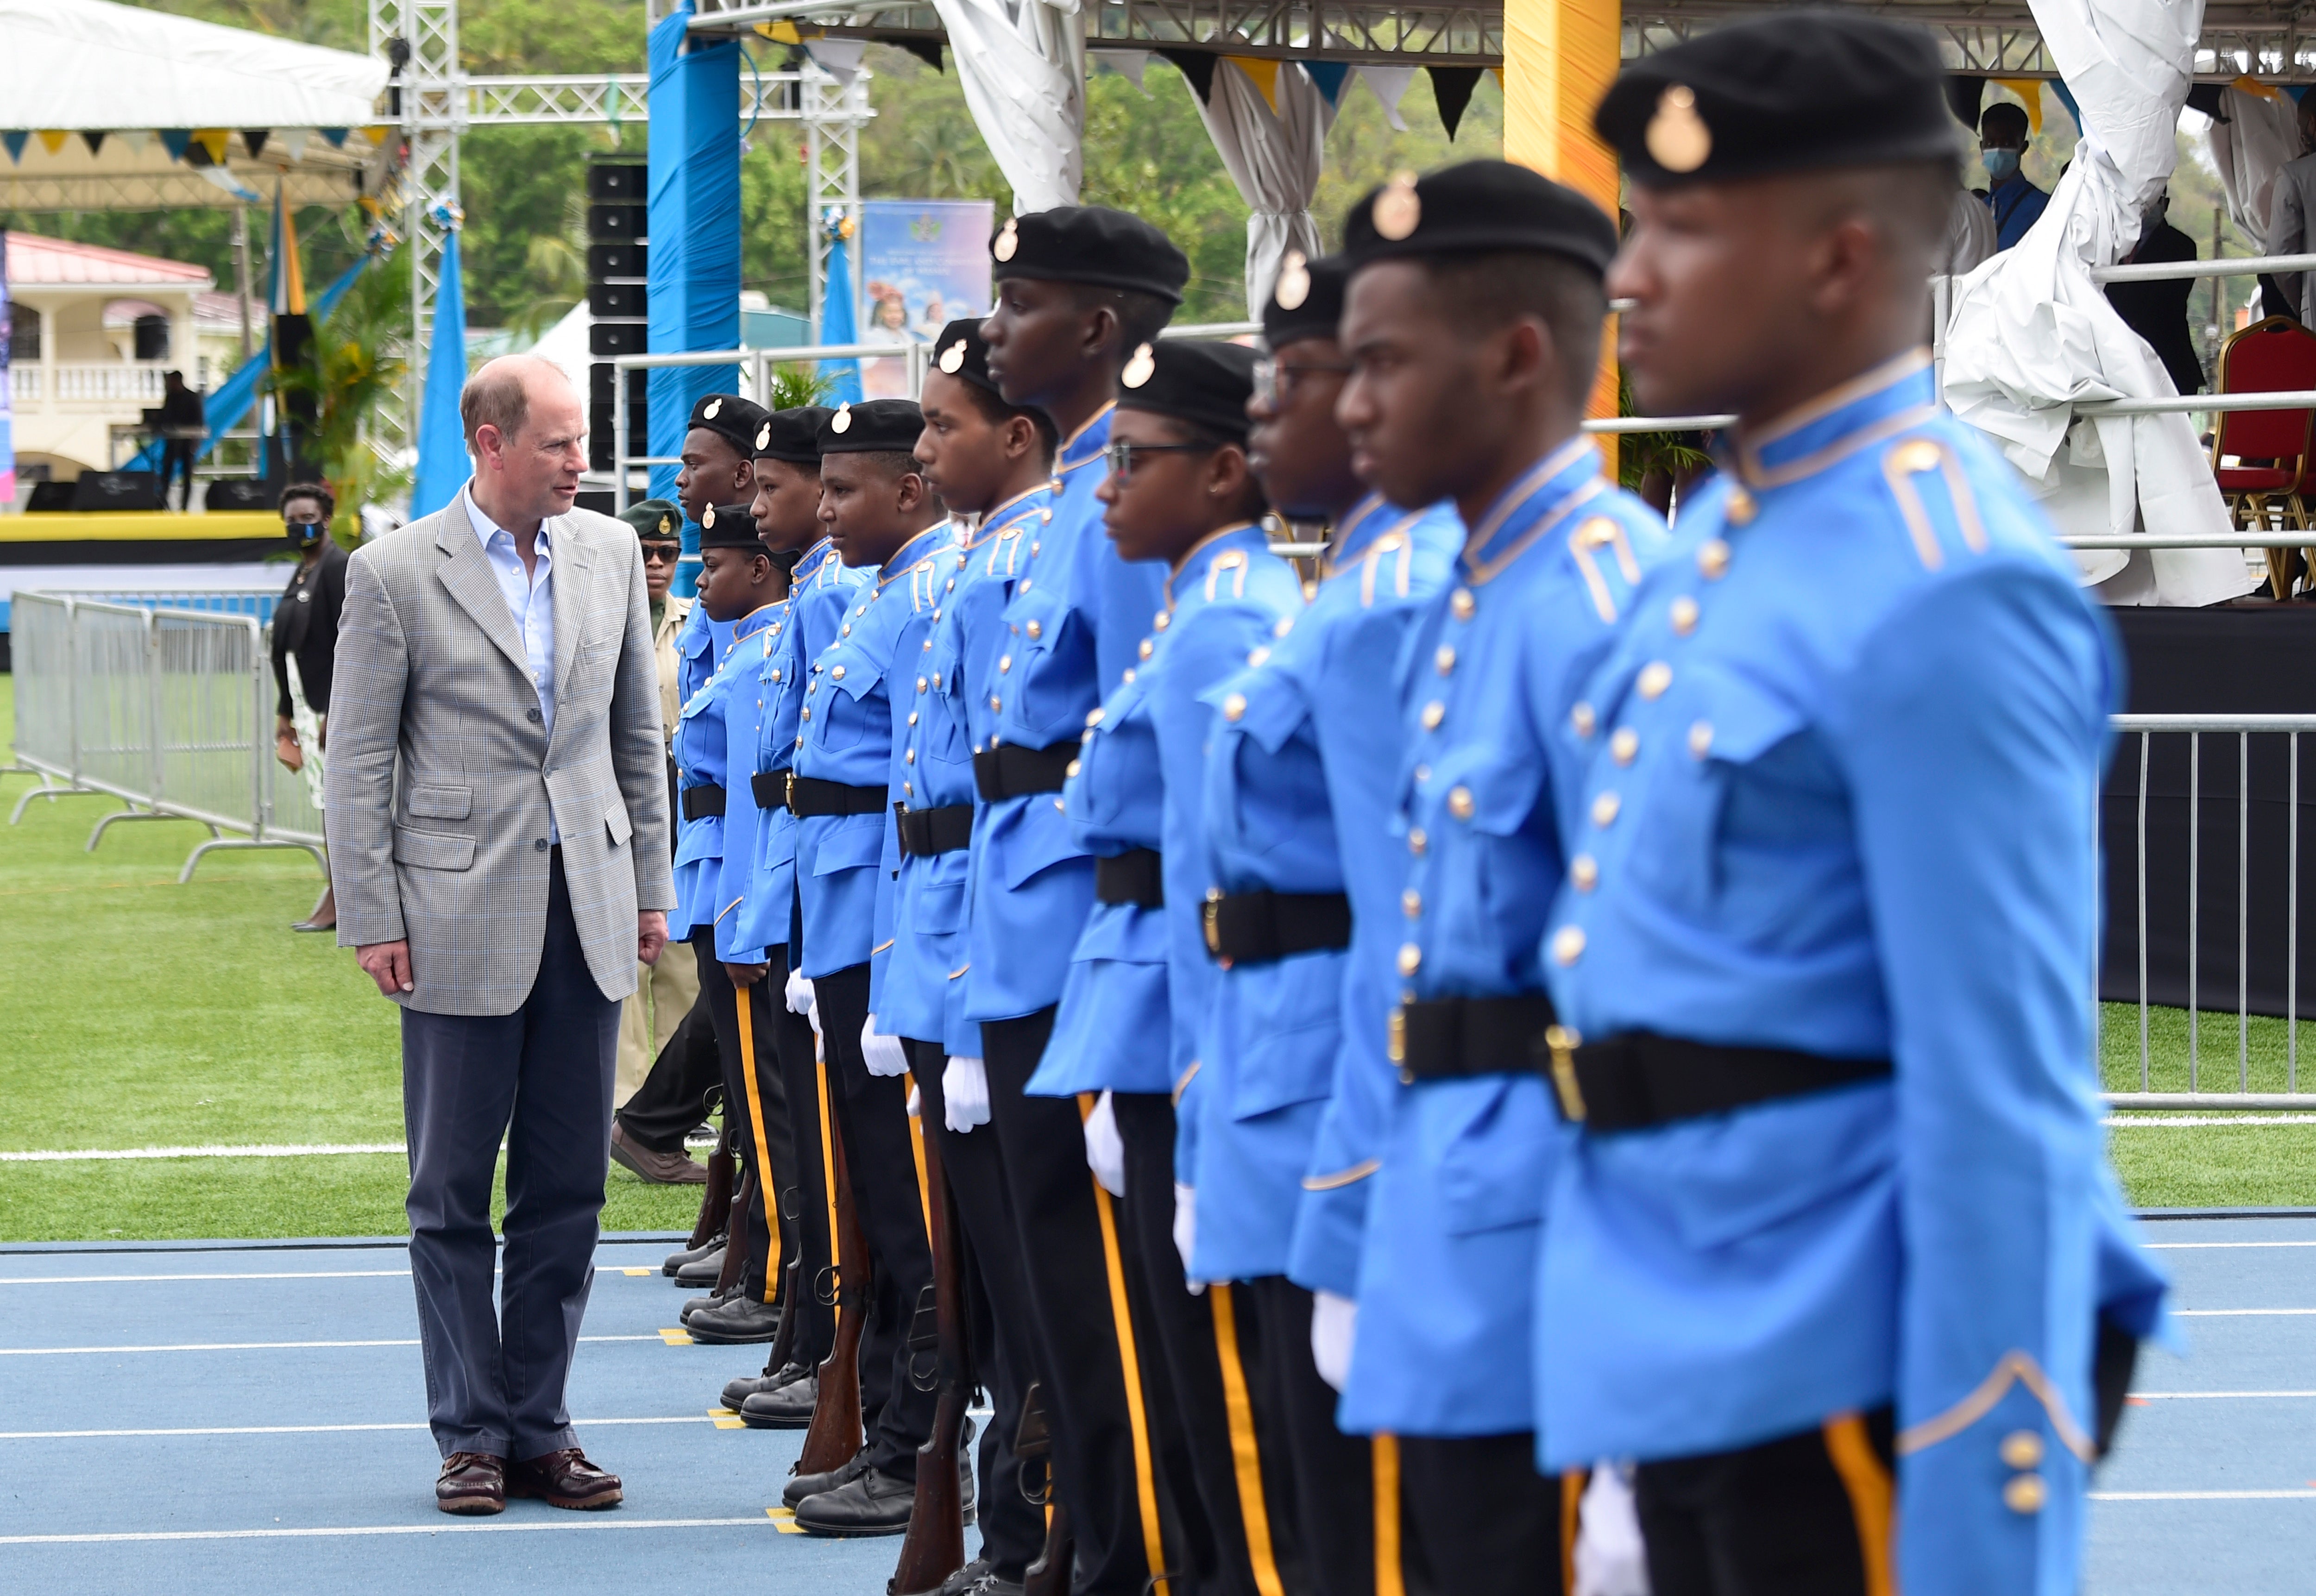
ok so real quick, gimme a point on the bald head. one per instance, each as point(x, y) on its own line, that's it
point(503, 393)
point(527, 431)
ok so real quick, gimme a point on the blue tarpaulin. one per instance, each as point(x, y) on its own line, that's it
point(442, 464)
point(837, 326)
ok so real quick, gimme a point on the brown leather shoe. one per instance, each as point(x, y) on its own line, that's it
point(565, 1479)
point(660, 1169)
point(471, 1483)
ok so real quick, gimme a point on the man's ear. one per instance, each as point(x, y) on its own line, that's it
point(909, 491)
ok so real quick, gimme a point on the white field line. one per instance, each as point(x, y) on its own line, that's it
point(287, 1274)
point(269, 1150)
point(294, 1429)
point(607, 1521)
point(257, 1346)
point(2184, 1122)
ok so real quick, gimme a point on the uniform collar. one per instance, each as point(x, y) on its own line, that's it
point(1561, 479)
point(810, 565)
point(1211, 544)
point(1367, 521)
point(755, 620)
point(1084, 446)
point(1893, 397)
point(1003, 515)
point(908, 553)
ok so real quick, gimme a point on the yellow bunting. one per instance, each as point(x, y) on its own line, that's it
point(2252, 86)
point(1265, 74)
point(52, 140)
point(212, 140)
point(2030, 90)
point(780, 32)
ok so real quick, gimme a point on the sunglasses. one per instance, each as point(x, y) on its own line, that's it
point(1274, 380)
point(1122, 456)
point(662, 554)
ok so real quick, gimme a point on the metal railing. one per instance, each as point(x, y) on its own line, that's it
point(167, 710)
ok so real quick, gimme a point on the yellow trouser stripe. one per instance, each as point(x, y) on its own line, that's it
point(828, 1173)
point(1571, 1508)
point(1246, 1457)
point(1146, 1482)
point(1871, 1497)
point(1389, 1578)
point(924, 1188)
point(766, 1181)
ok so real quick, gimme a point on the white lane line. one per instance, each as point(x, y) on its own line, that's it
point(292, 1429)
point(449, 1526)
point(2203, 1496)
point(286, 1274)
point(251, 1346)
point(268, 1150)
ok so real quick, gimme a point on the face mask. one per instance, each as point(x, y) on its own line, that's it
point(305, 534)
point(2001, 165)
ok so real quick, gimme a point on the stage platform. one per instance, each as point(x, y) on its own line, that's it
point(138, 537)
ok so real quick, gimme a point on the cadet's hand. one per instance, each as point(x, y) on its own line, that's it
point(1105, 1149)
point(744, 974)
point(387, 964)
point(651, 935)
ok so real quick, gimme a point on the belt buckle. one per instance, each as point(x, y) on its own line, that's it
point(787, 789)
point(1396, 1043)
point(1210, 921)
point(1560, 1043)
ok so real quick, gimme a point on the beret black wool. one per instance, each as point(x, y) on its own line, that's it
point(1478, 207)
point(1205, 384)
point(728, 526)
point(791, 435)
point(960, 352)
point(874, 426)
point(729, 416)
point(1795, 91)
point(1307, 300)
point(655, 518)
point(1090, 244)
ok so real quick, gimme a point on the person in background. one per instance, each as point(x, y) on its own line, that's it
point(2158, 311)
point(2003, 144)
point(304, 644)
point(183, 419)
point(2289, 211)
point(1970, 234)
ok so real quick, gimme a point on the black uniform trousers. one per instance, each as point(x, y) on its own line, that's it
point(872, 1115)
point(997, 1314)
point(1489, 1524)
point(1807, 1514)
point(1229, 1480)
point(672, 1101)
point(760, 1263)
point(811, 1089)
point(1070, 1258)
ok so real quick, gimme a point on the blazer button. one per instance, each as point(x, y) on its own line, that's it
point(531, 715)
point(538, 845)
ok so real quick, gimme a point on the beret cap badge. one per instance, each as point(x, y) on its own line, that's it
point(667, 526)
point(1294, 282)
point(714, 407)
point(764, 435)
point(1678, 138)
point(841, 422)
point(1138, 369)
point(953, 356)
point(1398, 209)
point(1008, 240)
point(708, 518)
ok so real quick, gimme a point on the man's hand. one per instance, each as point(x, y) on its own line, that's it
point(651, 935)
point(387, 964)
point(744, 974)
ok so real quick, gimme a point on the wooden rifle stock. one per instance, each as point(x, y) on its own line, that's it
point(1051, 1573)
point(716, 1197)
point(738, 1235)
point(835, 1434)
point(934, 1547)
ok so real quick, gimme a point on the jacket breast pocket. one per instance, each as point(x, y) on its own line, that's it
point(1032, 671)
point(432, 850)
point(1493, 1141)
point(617, 827)
point(842, 707)
point(442, 803)
point(1291, 1013)
point(1729, 727)
point(851, 842)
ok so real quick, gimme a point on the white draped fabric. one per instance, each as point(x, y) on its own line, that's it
point(2252, 138)
point(1275, 161)
point(2032, 335)
point(1022, 66)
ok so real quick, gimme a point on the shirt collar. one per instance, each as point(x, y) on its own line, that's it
point(1542, 488)
point(1893, 397)
point(485, 529)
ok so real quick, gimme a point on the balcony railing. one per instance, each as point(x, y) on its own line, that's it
point(95, 384)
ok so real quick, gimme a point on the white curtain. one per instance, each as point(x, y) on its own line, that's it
point(2032, 335)
point(2249, 147)
point(1274, 160)
point(1022, 66)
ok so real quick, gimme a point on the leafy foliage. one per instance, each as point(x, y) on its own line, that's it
point(352, 373)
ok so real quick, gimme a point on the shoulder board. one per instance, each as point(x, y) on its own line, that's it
point(1603, 552)
point(1905, 463)
point(1231, 563)
point(1386, 566)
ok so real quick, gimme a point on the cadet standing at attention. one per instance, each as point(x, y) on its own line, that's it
point(1179, 495)
point(1079, 290)
point(1299, 778)
point(1836, 1254)
point(1472, 319)
point(883, 519)
point(715, 471)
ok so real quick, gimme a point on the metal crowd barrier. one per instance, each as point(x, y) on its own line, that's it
point(169, 711)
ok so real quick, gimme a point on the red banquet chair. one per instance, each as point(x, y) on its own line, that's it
point(2277, 354)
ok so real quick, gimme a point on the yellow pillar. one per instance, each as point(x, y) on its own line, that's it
point(1559, 57)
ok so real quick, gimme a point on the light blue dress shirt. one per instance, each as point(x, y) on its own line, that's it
point(529, 601)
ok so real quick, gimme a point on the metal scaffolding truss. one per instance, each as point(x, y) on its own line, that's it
point(618, 98)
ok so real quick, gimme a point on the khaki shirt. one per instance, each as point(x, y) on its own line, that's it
point(673, 613)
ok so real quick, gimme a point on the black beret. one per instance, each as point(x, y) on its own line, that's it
point(728, 526)
point(1478, 207)
point(1204, 383)
point(874, 426)
point(1796, 91)
point(730, 416)
point(655, 518)
point(791, 435)
point(960, 352)
point(1090, 244)
point(1307, 300)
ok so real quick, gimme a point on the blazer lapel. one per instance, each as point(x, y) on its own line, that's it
point(569, 595)
point(469, 577)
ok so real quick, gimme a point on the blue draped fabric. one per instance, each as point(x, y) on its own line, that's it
point(443, 465)
point(839, 326)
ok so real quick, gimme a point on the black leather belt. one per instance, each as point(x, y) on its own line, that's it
point(1010, 771)
point(927, 832)
point(1638, 1080)
point(1264, 927)
point(770, 788)
point(704, 799)
point(1450, 1038)
point(1135, 877)
point(809, 795)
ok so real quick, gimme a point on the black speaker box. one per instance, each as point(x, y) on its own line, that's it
point(117, 490)
point(618, 224)
point(599, 387)
point(623, 181)
point(608, 301)
point(47, 496)
point(607, 338)
point(598, 499)
point(242, 492)
point(614, 261)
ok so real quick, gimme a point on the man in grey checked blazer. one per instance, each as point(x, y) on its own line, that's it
point(498, 829)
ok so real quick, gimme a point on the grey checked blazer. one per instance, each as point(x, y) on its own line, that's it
point(442, 781)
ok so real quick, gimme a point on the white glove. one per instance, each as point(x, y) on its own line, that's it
point(1186, 1233)
point(964, 1095)
point(1335, 1322)
point(916, 1102)
point(1610, 1560)
point(1105, 1152)
point(883, 1055)
point(801, 1000)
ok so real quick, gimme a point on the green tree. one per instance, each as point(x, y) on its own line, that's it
point(351, 374)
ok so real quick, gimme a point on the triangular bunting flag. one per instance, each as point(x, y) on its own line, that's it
point(177, 142)
point(136, 138)
point(783, 32)
point(2067, 99)
point(1452, 86)
point(253, 140)
point(53, 139)
point(1195, 65)
point(212, 140)
point(1265, 74)
point(376, 132)
point(839, 57)
point(293, 144)
point(2030, 90)
point(336, 137)
point(1389, 85)
point(1126, 63)
point(94, 138)
point(15, 143)
point(1498, 74)
point(1329, 77)
point(927, 50)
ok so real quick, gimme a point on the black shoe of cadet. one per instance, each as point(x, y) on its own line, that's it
point(872, 1502)
point(693, 1305)
point(737, 1392)
point(801, 1485)
point(703, 1270)
point(739, 1319)
point(786, 1406)
point(676, 1261)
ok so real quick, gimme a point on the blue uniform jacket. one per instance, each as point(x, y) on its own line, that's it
point(1123, 1023)
point(844, 862)
point(1298, 800)
point(755, 638)
point(2018, 205)
point(1072, 622)
point(766, 917)
point(1840, 798)
point(698, 648)
point(1449, 1256)
point(699, 751)
point(820, 590)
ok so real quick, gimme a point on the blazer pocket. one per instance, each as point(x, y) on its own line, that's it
point(615, 823)
point(432, 850)
point(442, 803)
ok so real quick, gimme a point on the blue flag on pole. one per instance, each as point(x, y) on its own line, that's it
point(837, 326)
point(442, 465)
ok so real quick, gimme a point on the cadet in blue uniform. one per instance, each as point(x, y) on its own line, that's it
point(716, 470)
point(1836, 1253)
point(1179, 493)
point(1298, 787)
point(1079, 290)
point(1472, 319)
point(989, 462)
point(882, 519)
